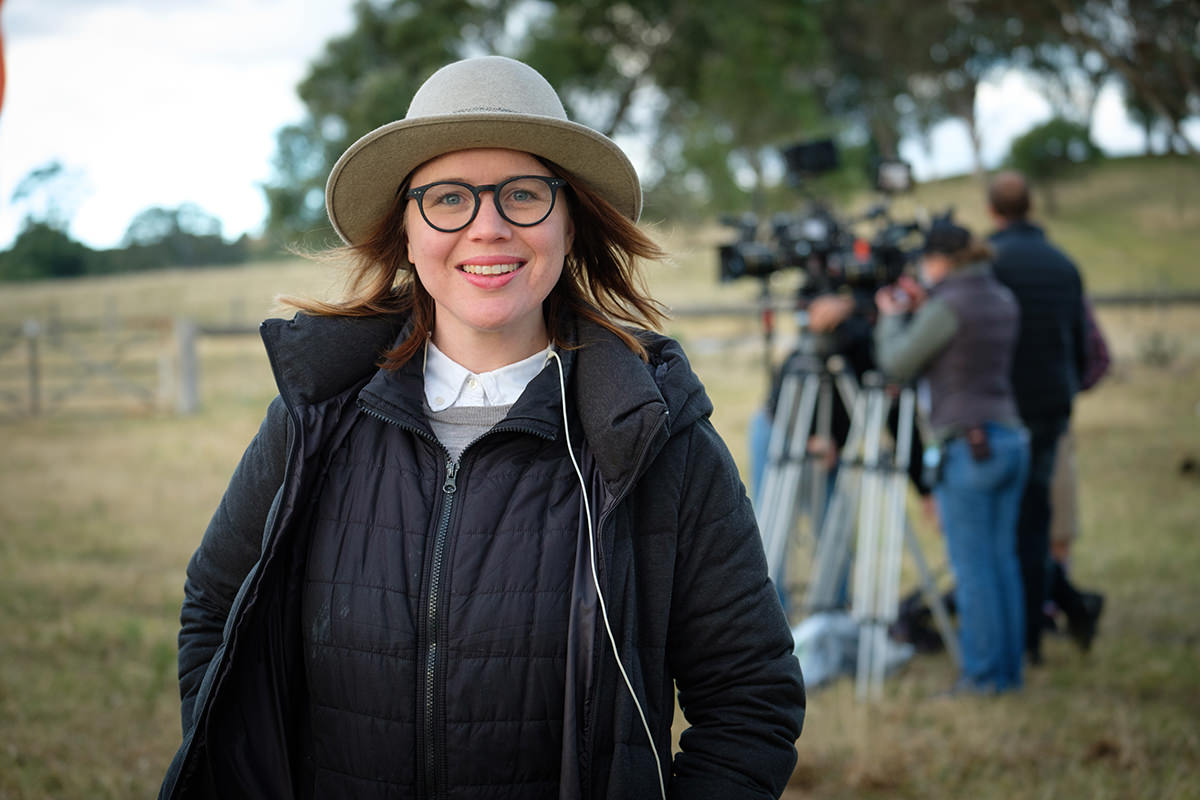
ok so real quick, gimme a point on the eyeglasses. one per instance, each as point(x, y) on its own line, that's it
point(450, 206)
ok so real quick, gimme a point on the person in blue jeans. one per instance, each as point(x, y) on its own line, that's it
point(959, 336)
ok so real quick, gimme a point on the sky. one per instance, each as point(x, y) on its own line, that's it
point(163, 102)
point(154, 102)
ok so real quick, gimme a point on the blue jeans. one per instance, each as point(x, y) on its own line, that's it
point(979, 503)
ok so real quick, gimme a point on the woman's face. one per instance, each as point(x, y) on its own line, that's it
point(489, 279)
point(933, 268)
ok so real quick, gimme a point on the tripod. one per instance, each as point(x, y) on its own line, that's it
point(867, 503)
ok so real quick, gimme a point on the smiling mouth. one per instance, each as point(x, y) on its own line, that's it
point(490, 269)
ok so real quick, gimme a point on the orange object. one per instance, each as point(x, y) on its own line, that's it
point(862, 250)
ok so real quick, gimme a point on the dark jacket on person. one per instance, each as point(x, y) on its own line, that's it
point(961, 340)
point(1051, 348)
point(679, 557)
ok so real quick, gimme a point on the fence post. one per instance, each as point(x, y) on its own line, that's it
point(188, 400)
point(32, 332)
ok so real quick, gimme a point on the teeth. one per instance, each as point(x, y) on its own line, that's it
point(489, 269)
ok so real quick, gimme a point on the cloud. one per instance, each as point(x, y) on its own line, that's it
point(65, 17)
point(158, 103)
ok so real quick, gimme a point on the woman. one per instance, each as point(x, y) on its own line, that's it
point(961, 339)
point(487, 527)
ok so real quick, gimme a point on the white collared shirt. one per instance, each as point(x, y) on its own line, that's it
point(450, 384)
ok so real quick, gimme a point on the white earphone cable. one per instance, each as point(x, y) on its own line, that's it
point(587, 513)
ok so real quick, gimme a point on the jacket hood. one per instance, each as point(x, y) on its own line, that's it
point(629, 407)
point(621, 400)
point(315, 358)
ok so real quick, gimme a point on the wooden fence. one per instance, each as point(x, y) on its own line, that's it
point(150, 363)
point(155, 361)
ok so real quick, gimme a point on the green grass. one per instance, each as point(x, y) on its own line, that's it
point(103, 501)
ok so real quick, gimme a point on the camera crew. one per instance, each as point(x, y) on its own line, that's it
point(961, 339)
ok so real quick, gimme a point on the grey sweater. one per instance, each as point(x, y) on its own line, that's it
point(458, 426)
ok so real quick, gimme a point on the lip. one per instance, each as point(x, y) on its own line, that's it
point(491, 280)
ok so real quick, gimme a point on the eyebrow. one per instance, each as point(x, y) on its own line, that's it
point(493, 183)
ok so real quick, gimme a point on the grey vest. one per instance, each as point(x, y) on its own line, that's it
point(969, 380)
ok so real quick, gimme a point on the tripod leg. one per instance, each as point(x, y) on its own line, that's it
point(833, 543)
point(867, 566)
point(941, 617)
point(894, 526)
point(780, 506)
point(819, 488)
point(785, 412)
point(767, 502)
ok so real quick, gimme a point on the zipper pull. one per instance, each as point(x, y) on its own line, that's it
point(451, 484)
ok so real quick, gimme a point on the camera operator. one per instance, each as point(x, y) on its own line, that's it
point(846, 320)
point(841, 272)
point(843, 320)
point(961, 340)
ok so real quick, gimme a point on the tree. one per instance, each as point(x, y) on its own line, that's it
point(158, 224)
point(1151, 45)
point(710, 85)
point(967, 42)
point(1050, 151)
point(185, 236)
point(49, 194)
point(43, 250)
point(1070, 79)
point(721, 86)
point(362, 80)
point(872, 50)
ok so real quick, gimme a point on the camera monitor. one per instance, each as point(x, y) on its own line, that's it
point(893, 176)
point(811, 158)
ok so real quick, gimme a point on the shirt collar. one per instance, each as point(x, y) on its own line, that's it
point(450, 384)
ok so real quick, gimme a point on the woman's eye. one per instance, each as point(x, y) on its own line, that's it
point(523, 193)
point(450, 198)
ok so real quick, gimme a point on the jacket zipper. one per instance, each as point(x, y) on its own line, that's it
point(434, 613)
point(432, 616)
point(433, 625)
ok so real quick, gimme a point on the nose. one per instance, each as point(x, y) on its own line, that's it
point(488, 224)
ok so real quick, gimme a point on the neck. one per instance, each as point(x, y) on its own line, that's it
point(484, 351)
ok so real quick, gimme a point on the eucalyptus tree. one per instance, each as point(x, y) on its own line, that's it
point(711, 89)
point(364, 79)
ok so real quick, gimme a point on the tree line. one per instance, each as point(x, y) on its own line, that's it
point(711, 90)
point(715, 88)
point(184, 236)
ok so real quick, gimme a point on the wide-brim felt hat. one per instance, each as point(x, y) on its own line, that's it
point(490, 101)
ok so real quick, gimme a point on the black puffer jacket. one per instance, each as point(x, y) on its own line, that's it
point(679, 559)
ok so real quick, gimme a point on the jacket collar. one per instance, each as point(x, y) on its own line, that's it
point(1021, 227)
point(316, 358)
point(626, 407)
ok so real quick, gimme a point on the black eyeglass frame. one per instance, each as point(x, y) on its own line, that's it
point(418, 194)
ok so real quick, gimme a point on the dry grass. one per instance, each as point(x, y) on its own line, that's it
point(102, 503)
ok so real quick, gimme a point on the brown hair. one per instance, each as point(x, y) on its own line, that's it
point(600, 281)
point(1008, 194)
point(975, 251)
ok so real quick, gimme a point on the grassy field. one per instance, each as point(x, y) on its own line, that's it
point(103, 500)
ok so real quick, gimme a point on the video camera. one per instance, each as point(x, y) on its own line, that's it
point(827, 249)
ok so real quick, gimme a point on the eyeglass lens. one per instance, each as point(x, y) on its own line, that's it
point(524, 200)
